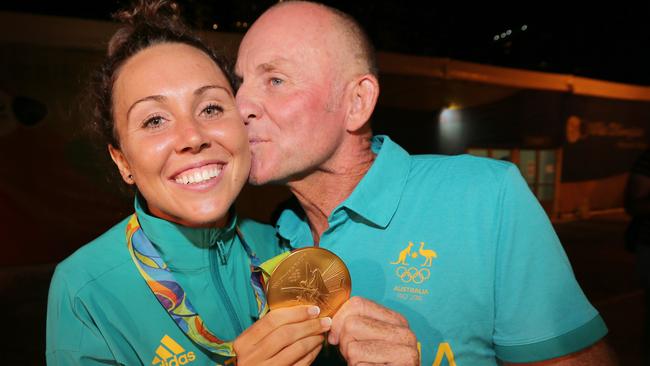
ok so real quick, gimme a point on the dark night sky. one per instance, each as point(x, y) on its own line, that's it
point(609, 41)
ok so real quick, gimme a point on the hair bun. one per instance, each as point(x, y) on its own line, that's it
point(161, 14)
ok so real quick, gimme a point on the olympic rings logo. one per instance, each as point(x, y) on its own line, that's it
point(412, 274)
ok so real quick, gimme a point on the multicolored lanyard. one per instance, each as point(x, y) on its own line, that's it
point(171, 295)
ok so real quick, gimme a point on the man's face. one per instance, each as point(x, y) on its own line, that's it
point(289, 97)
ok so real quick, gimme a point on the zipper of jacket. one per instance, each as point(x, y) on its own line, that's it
point(216, 278)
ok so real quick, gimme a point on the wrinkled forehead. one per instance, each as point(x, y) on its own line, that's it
point(282, 54)
point(288, 34)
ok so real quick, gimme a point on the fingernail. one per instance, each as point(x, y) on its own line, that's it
point(313, 310)
point(326, 322)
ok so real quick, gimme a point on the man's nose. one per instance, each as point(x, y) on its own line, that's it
point(248, 104)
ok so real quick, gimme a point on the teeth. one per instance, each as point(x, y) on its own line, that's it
point(199, 175)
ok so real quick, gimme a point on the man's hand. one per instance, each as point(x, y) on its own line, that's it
point(368, 333)
point(288, 336)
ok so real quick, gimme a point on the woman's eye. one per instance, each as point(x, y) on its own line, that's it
point(153, 122)
point(212, 110)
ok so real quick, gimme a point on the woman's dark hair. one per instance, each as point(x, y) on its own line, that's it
point(147, 23)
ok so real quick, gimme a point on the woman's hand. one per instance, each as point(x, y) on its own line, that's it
point(287, 336)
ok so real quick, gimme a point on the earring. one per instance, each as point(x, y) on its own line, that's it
point(130, 176)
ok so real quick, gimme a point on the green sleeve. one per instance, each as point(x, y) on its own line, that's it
point(541, 311)
point(571, 342)
point(71, 336)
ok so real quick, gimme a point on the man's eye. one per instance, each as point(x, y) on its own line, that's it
point(276, 81)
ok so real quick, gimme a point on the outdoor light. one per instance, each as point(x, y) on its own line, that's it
point(450, 129)
point(450, 113)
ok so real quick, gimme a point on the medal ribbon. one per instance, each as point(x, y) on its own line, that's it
point(173, 298)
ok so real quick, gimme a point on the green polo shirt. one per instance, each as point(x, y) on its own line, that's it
point(101, 311)
point(462, 249)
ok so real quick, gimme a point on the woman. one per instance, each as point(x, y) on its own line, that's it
point(171, 284)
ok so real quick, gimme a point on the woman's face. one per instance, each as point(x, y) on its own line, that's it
point(182, 142)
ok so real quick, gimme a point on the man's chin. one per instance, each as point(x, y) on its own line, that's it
point(255, 179)
point(258, 177)
point(259, 181)
point(254, 182)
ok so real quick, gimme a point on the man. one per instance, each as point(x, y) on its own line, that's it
point(459, 254)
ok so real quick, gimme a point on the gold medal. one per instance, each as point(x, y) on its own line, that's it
point(310, 276)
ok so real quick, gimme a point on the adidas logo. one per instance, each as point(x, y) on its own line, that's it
point(170, 353)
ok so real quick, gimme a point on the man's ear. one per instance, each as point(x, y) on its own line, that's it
point(364, 93)
point(122, 164)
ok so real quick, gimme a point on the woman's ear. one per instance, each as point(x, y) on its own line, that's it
point(122, 164)
point(364, 94)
